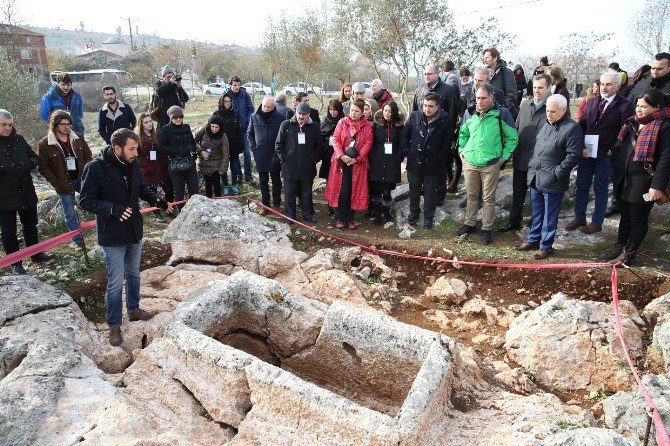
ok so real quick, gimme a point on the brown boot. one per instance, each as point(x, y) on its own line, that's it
point(140, 315)
point(115, 335)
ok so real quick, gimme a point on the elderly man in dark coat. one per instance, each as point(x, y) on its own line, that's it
point(556, 152)
point(262, 134)
point(532, 117)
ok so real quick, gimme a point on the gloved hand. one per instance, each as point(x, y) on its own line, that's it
point(160, 203)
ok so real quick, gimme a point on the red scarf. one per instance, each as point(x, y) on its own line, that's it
point(645, 145)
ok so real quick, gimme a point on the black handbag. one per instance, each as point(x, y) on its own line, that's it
point(351, 152)
point(181, 164)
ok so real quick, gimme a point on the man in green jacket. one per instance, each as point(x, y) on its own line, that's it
point(485, 143)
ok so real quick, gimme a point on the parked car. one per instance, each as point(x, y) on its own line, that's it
point(300, 86)
point(257, 88)
point(368, 89)
point(215, 88)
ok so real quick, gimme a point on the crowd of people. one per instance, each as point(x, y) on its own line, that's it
point(462, 123)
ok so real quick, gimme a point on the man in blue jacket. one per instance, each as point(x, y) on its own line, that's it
point(244, 108)
point(111, 189)
point(262, 134)
point(114, 115)
point(63, 97)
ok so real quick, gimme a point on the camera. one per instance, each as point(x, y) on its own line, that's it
point(178, 78)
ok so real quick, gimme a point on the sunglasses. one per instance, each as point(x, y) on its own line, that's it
point(177, 117)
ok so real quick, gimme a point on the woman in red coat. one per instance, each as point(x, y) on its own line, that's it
point(347, 186)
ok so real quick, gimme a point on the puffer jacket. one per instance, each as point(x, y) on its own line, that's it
point(480, 140)
point(219, 156)
point(52, 100)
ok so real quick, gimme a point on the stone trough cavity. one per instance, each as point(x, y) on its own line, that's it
point(283, 369)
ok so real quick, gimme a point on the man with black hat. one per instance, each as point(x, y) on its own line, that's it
point(299, 147)
point(170, 92)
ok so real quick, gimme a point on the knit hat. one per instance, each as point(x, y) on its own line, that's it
point(167, 70)
point(303, 108)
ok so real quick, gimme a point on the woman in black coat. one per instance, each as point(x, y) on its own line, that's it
point(641, 171)
point(235, 134)
point(385, 158)
point(176, 141)
point(335, 113)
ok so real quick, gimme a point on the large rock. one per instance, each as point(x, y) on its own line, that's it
point(626, 411)
point(662, 341)
point(658, 310)
point(449, 291)
point(571, 344)
point(591, 436)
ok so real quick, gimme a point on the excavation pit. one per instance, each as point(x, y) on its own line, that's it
point(281, 368)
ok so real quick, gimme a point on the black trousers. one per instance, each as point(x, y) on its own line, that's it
point(212, 184)
point(183, 180)
point(427, 183)
point(264, 182)
point(633, 225)
point(454, 160)
point(291, 188)
point(519, 190)
point(441, 185)
point(343, 211)
point(28, 219)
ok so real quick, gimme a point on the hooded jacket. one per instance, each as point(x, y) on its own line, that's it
point(243, 106)
point(480, 140)
point(232, 127)
point(219, 156)
point(52, 100)
point(385, 168)
point(52, 160)
point(17, 159)
point(426, 145)
point(346, 131)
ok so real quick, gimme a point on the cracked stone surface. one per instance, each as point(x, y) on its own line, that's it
point(571, 344)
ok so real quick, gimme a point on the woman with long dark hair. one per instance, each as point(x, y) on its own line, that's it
point(641, 172)
point(347, 188)
point(213, 154)
point(235, 134)
point(385, 158)
point(153, 163)
point(333, 116)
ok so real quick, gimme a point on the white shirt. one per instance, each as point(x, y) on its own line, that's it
point(608, 101)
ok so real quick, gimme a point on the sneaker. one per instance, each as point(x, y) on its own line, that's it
point(339, 224)
point(140, 315)
point(352, 225)
point(235, 190)
point(465, 229)
point(115, 337)
point(226, 191)
point(18, 270)
point(486, 238)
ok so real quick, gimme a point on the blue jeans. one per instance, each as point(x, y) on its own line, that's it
point(545, 208)
point(247, 159)
point(122, 262)
point(69, 213)
point(235, 172)
point(597, 171)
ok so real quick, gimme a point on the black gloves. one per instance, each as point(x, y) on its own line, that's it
point(160, 203)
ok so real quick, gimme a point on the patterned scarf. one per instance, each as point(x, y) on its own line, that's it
point(645, 146)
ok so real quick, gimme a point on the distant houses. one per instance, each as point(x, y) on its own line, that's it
point(25, 47)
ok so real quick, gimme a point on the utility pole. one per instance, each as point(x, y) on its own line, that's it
point(130, 28)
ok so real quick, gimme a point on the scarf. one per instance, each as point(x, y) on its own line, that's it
point(645, 145)
point(328, 124)
point(218, 120)
point(125, 170)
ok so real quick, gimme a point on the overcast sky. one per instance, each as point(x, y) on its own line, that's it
point(538, 24)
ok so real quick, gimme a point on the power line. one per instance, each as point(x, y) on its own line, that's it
point(498, 7)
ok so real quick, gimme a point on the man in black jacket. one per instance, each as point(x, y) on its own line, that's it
point(111, 189)
point(170, 92)
point(556, 152)
point(503, 78)
point(114, 115)
point(426, 140)
point(17, 192)
point(660, 77)
point(262, 134)
point(299, 147)
point(532, 116)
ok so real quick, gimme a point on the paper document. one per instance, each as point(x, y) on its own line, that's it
point(591, 144)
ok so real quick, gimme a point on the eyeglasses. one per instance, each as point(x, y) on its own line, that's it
point(177, 117)
point(65, 124)
point(429, 74)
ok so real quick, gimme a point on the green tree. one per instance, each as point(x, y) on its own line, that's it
point(19, 95)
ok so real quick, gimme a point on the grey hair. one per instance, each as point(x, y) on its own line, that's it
point(4, 114)
point(559, 99)
point(486, 71)
point(488, 87)
point(612, 74)
point(270, 98)
point(281, 98)
point(381, 84)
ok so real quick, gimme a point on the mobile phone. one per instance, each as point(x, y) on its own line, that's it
point(646, 196)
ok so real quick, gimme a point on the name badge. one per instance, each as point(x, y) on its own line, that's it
point(331, 140)
point(152, 155)
point(71, 163)
point(388, 148)
point(301, 138)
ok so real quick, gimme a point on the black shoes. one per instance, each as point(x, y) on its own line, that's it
point(43, 257)
point(612, 253)
point(486, 238)
point(465, 229)
point(311, 219)
point(510, 227)
point(611, 211)
point(428, 223)
point(412, 219)
point(18, 270)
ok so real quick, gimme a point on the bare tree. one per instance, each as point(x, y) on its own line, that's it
point(578, 58)
point(650, 27)
point(10, 12)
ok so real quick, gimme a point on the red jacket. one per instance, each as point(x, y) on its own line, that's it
point(345, 130)
point(384, 99)
point(153, 171)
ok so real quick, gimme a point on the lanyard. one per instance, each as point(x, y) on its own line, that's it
point(67, 148)
point(388, 132)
